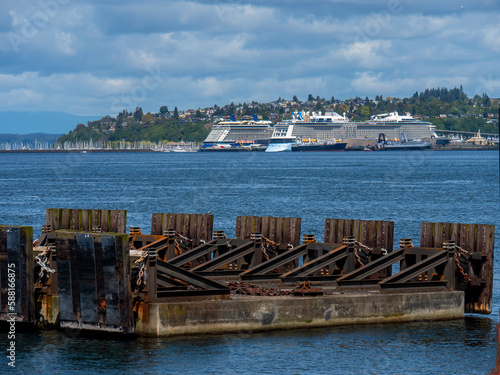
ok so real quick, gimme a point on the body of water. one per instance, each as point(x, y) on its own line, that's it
point(405, 187)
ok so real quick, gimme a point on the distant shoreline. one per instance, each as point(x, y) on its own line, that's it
point(446, 148)
point(65, 151)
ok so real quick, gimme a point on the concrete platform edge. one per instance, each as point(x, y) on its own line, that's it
point(254, 314)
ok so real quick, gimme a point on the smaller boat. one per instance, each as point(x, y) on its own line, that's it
point(179, 149)
point(403, 144)
point(369, 148)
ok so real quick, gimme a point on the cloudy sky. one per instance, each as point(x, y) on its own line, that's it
point(96, 57)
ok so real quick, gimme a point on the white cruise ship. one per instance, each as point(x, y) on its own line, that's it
point(318, 127)
point(331, 125)
point(234, 133)
point(393, 125)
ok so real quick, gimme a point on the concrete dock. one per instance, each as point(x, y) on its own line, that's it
point(253, 314)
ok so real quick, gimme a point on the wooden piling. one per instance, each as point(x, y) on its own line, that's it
point(193, 226)
point(277, 229)
point(113, 221)
point(16, 274)
point(472, 238)
point(93, 271)
point(372, 233)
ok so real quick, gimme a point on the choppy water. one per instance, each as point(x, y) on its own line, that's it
point(405, 187)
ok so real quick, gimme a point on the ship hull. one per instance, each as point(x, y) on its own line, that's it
point(403, 147)
point(319, 147)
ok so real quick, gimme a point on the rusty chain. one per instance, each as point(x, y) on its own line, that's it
point(357, 258)
point(42, 260)
point(461, 270)
point(267, 242)
point(369, 249)
point(263, 249)
point(183, 237)
point(463, 250)
point(142, 262)
point(457, 261)
point(178, 250)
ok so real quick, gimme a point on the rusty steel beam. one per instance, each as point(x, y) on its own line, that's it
point(211, 247)
point(261, 271)
point(446, 279)
point(360, 276)
point(307, 270)
point(168, 280)
point(243, 250)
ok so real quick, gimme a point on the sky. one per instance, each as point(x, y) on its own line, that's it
point(97, 57)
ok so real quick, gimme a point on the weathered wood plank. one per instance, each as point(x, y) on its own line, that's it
point(65, 219)
point(27, 274)
point(16, 273)
point(99, 278)
point(111, 280)
point(95, 219)
point(100, 292)
point(4, 261)
point(155, 223)
point(277, 229)
point(13, 254)
point(238, 226)
point(74, 219)
point(121, 224)
point(104, 224)
point(263, 227)
point(485, 245)
point(87, 278)
point(113, 221)
point(371, 233)
point(65, 290)
point(85, 221)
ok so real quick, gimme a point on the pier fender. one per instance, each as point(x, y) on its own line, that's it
point(266, 315)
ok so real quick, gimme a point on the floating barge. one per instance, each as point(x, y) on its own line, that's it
point(85, 272)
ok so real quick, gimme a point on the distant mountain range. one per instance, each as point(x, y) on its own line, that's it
point(40, 122)
point(29, 138)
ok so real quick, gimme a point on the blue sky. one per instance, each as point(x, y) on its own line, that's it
point(98, 57)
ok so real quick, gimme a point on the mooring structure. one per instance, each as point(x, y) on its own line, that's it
point(86, 272)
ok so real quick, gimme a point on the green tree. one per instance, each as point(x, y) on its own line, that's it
point(176, 113)
point(295, 99)
point(147, 118)
point(364, 112)
point(138, 114)
point(341, 108)
point(163, 109)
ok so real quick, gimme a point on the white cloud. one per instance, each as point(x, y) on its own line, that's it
point(65, 42)
point(88, 56)
point(492, 37)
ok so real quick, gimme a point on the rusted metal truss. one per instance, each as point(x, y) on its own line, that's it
point(421, 268)
point(165, 280)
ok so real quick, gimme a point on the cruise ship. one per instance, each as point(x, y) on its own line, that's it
point(394, 125)
point(233, 133)
point(331, 126)
point(317, 127)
